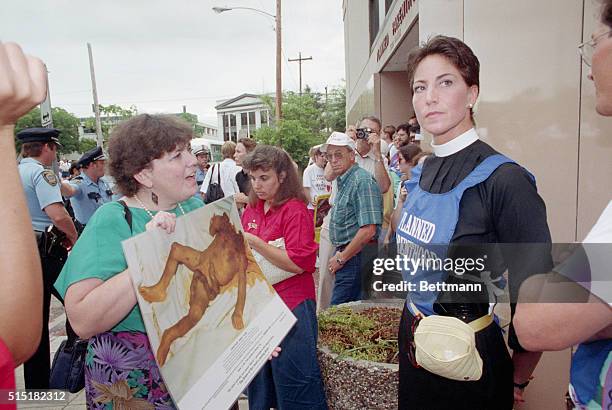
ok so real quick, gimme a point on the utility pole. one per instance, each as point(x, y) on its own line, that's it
point(95, 97)
point(299, 60)
point(46, 117)
point(326, 112)
point(279, 87)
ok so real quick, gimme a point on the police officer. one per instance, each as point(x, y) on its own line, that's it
point(43, 195)
point(89, 190)
point(203, 156)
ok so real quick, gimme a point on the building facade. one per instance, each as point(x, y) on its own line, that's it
point(200, 129)
point(536, 104)
point(240, 116)
point(205, 130)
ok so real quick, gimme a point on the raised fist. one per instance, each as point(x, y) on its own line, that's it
point(23, 83)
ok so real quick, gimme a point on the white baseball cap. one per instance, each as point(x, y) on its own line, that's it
point(338, 139)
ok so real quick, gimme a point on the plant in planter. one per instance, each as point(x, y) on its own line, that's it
point(358, 354)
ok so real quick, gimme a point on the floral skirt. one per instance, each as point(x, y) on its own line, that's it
point(121, 373)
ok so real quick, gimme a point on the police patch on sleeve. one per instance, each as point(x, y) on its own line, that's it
point(50, 177)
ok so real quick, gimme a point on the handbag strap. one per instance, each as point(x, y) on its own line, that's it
point(127, 213)
point(219, 174)
point(477, 324)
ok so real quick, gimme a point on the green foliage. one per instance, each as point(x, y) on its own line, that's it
point(190, 118)
point(336, 109)
point(305, 122)
point(110, 115)
point(370, 334)
point(292, 136)
point(86, 145)
point(67, 123)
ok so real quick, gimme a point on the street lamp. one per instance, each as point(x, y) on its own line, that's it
point(277, 19)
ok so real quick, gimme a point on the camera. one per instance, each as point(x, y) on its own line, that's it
point(363, 133)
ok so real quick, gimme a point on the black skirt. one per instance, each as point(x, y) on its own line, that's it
point(422, 390)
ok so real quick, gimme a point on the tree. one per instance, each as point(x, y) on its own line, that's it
point(86, 144)
point(307, 121)
point(301, 126)
point(110, 115)
point(336, 109)
point(295, 138)
point(64, 121)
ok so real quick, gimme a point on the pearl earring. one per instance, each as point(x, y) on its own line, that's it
point(470, 105)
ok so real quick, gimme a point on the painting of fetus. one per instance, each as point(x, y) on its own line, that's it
point(216, 269)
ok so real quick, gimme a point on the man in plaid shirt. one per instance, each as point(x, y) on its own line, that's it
point(355, 217)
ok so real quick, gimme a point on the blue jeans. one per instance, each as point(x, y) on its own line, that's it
point(292, 381)
point(347, 287)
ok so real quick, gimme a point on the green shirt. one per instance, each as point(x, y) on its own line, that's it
point(358, 203)
point(98, 252)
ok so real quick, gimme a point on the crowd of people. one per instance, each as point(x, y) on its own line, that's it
point(386, 192)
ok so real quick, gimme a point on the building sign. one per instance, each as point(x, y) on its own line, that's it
point(383, 47)
point(398, 24)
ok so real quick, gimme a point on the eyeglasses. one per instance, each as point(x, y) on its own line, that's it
point(587, 48)
point(335, 155)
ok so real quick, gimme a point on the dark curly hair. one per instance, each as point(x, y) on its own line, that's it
point(134, 143)
point(266, 157)
point(455, 51)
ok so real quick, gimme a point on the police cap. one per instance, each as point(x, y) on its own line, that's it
point(90, 156)
point(200, 149)
point(39, 135)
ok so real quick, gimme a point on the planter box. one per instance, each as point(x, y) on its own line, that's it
point(359, 384)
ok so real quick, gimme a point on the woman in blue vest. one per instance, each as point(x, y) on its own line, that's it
point(591, 323)
point(466, 193)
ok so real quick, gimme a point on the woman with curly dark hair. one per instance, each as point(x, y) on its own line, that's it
point(154, 169)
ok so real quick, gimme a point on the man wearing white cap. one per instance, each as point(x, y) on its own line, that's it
point(355, 217)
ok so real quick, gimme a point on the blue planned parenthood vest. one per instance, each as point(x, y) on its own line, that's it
point(426, 228)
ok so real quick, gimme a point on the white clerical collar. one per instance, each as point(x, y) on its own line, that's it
point(456, 144)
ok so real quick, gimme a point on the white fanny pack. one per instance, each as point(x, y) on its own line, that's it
point(446, 346)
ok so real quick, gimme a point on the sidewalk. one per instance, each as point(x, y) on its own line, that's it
point(57, 333)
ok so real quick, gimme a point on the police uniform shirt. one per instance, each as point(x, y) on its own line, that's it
point(199, 176)
point(42, 188)
point(89, 197)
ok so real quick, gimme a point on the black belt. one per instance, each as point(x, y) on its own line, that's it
point(466, 312)
point(343, 247)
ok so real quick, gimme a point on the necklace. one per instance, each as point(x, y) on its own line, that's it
point(151, 213)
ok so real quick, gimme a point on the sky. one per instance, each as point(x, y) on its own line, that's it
point(160, 55)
